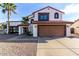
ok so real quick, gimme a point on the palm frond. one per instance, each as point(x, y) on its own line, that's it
point(0, 4)
point(24, 20)
point(9, 6)
point(4, 11)
point(14, 12)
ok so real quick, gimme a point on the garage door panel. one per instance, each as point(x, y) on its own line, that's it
point(45, 30)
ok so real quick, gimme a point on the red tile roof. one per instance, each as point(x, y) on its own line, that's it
point(52, 22)
point(23, 24)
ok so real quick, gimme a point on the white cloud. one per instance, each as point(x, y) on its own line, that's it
point(71, 9)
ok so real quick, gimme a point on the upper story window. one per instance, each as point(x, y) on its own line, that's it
point(56, 15)
point(43, 16)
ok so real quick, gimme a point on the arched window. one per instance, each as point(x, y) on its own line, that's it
point(72, 30)
point(56, 15)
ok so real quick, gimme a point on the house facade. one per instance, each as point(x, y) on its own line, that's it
point(13, 26)
point(75, 27)
point(48, 21)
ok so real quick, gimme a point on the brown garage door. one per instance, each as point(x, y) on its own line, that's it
point(51, 30)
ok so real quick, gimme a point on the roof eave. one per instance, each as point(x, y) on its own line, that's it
point(49, 7)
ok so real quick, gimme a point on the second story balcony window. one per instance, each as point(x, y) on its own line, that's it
point(43, 16)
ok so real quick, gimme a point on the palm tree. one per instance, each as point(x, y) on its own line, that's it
point(25, 20)
point(9, 8)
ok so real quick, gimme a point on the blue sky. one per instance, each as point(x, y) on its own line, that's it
point(24, 9)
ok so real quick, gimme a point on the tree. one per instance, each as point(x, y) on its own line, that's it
point(25, 20)
point(4, 26)
point(8, 8)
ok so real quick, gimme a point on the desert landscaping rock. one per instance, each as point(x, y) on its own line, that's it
point(18, 49)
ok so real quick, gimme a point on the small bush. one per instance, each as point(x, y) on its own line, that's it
point(29, 33)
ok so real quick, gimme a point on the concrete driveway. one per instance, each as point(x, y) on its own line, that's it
point(58, 47)
point(44, 46)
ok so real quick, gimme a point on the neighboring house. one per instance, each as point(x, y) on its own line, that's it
point(23, 28)
point(47, 22)
point(13, 26)
point(75, 27)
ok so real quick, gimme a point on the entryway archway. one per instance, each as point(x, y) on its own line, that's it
point(72, 30)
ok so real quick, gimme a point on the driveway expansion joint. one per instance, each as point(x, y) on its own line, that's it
point(67, 47)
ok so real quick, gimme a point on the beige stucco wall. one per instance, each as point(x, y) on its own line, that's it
point(14, 23)
point(33, 27)
point(75, 25)
point(51, 14)
point(30, 17)
point(35, 30)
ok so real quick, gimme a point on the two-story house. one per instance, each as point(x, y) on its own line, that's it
point(48, 22)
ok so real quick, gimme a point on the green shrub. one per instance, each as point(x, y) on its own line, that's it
point(29, 33)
